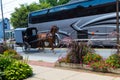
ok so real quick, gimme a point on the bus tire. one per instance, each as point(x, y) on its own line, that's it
point(56, 44)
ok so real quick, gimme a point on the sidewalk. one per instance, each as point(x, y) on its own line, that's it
point(43, 71)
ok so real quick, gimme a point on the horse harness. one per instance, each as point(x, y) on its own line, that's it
point(50, 35)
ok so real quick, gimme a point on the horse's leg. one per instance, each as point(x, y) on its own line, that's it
point(42, 44)
point(39, 43)
point(52, 47)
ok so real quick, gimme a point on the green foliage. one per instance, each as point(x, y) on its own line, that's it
point(5, 61)
point(63, 59)
point(1, 75)
point(19, 18)
point(63, 2)
point(10, 52)
point(54, 2)
point(18, 71)
point(45, 5)
point(3, 48)
point(42, 1)
point(79, 50)
point(17, 57)
point(114, 61)
point(12, 69)
point(51, 2)
point(76, 53)
point(13, 54)
point(100, 66)
point(91, 57)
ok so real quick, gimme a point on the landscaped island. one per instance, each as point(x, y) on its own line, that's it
point(80, 55)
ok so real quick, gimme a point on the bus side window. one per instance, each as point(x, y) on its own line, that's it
point(90, 5)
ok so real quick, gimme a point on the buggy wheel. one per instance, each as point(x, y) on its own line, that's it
point(25, 47)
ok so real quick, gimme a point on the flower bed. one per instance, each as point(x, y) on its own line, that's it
point(82, 56)
point(72, 65)
point(85, 67)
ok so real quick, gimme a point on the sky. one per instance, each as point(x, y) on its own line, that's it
point(10, 5)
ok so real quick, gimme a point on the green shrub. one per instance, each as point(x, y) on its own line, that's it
point(18, 57)
point(100, 66)
point(5, 61)
point(90, 58)
point(18, 71)
point(1, 75)
point(77, 51)
point(10, 52)
point(62, 59)
point(113, 61)
point(3, 48)
point(13, 54)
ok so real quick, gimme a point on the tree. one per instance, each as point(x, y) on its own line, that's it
point(19, 18)
point(45, 5)
point(60, 2)
point(42, 1)
point(54, 2)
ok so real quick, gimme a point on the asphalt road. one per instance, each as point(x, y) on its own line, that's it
point(46, 55)
point(49, 56)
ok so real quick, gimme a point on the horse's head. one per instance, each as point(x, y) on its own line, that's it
point(54, 29)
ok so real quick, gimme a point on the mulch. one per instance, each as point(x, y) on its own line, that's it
point(41, 63)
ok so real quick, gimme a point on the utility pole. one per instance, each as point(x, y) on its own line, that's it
point(3, 22)
point(117, 25)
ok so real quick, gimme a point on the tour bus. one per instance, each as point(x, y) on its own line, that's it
point(92, 20)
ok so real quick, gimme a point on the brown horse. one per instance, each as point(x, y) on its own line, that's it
point(48, 37)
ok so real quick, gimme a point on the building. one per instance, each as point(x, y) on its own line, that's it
point(6, 25)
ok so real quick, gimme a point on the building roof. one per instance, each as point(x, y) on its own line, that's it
point(4, 19)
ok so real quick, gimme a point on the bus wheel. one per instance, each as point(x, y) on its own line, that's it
point(56, 44)
point(46, 44)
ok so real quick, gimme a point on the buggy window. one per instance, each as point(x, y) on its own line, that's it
point(34, 32)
